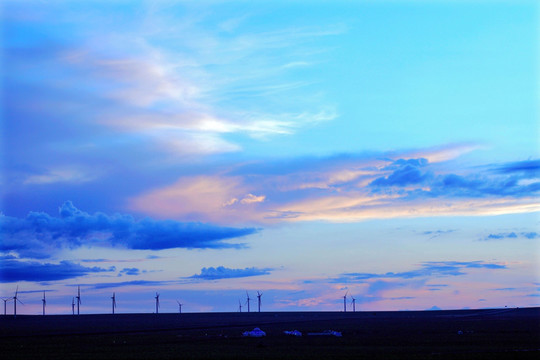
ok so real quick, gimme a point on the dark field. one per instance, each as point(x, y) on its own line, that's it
point(460, 334)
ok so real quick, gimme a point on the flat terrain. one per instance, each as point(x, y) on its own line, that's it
point(460, 334)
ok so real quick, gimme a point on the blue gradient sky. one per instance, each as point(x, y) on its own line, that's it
point(303, 149)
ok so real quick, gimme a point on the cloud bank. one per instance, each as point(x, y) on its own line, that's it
point(14, 270)
point(348, 188)
point(428, 269)
point(39, 235)
point(221, 272)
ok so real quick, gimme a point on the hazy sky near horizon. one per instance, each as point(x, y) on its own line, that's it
point(388, 149)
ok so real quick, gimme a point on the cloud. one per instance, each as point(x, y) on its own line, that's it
point(221, 272)
point(435, 269)
point(15, 270)
point(529, 168)
point(61, 175)
point(407, 173)
point(176, 100)
point(129, 271)
point(437, 233)
point(341, 188)
point(250, 199)
point(531, 235)
point(129, 283)
point(39, 234)
point(511, 235)
point(223, 199)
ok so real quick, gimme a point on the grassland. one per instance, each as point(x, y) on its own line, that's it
point(461, 334)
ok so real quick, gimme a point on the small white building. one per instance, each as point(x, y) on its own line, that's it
point(254, 333)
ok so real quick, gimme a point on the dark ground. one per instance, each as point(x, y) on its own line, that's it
point(460, 334)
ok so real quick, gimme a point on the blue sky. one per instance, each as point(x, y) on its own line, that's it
point(303, 149)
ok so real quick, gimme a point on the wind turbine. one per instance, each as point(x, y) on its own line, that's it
point(113, 302)
point(44, 302)
point(239, 305)
point(5, 302)
point(353, 301)
point(345, 301)
point(248, 299)
point(15, 299)
point(73, 306)
point(157, 302)
point(259, 299)
point(78, 297)
point(179, 307)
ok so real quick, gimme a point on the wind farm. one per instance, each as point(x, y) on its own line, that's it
point(479, 334)
point(473, 334)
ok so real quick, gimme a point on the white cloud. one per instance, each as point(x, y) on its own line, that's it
point(251, 199)
point(60, 175)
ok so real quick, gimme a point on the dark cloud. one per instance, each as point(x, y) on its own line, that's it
point(507, 180)
point(39, 234)
point(128, 283)
point(481, 186)
point(15, 270)
point(529, 168)
point(402, 298)
point(428, 269)
point(420, 162)
point(406, 172)
point(221, 272)
point(129, 271)
point(511, 235)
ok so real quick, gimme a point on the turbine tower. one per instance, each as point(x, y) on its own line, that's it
point(15, 299)
point(157, 302)
point(239, 305)
point(353, 301)
point(78, 297)
point(248, 299)
point(5, 304)
point(113, 302)
point(179, 307)
point(73, 306)
point(44, 302)
point(259, 294)
point(345, 301)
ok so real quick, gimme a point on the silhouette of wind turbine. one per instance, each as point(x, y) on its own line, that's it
point(345, 301)
point(239, 305)
point(5, 304)
point(73, 306)
point(259, 299)
point(353, 301)
point(113, 302)
point(157, 302)
point(248, 299)
point(15, 299)
point(179, 307)
point(44, 302)
point(78, 297)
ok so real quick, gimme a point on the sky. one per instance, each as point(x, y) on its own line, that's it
point(386, 151)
